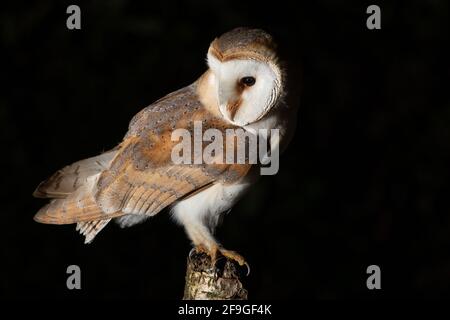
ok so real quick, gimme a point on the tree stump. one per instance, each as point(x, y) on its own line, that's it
point(207, 282)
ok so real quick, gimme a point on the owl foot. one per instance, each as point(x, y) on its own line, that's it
point(233, 255)
point(199, 249)
point(215, 251)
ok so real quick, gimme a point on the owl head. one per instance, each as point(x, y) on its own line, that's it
point(248, 79)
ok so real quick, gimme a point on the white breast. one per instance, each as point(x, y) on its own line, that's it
point(207, 206)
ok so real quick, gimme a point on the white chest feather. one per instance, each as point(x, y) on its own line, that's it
point(207, 206)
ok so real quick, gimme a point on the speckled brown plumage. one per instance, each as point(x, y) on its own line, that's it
point(140, 177)
point(244, 42)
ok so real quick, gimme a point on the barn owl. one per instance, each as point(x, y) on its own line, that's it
point(243, 87)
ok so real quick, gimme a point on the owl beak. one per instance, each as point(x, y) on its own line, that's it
point(229, 101)
point(233, 107)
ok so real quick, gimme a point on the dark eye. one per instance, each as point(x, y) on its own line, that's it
point(248, 81)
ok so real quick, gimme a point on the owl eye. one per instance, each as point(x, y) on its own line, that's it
point(248, 81)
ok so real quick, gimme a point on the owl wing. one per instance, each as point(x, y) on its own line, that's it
point(141, 177)
point(67, 180)
point(129, 189)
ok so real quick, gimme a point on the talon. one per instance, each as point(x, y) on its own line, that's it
point(223, 253)
point(191, 252)
point(200, 249)
point(233, 255)
point(248, 269)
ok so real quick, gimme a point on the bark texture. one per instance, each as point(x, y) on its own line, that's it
point(207, 282)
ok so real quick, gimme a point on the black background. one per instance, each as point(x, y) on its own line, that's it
point(365, 180)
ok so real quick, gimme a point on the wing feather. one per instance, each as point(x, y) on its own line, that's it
point(90, 229)
point(77, 207)
point(142, 178)
point(70, 178)
point(137, 177)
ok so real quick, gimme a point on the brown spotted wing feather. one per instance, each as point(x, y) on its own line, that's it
point(138, 177)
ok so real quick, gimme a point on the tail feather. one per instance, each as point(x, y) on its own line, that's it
point(129, 220)
point(71, 190)
point(89, 229)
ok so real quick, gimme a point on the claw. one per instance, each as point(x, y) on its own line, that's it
point(248, 268)
point(232, 255)
point(199, 249)
point(191, 252)
point(224, 253)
